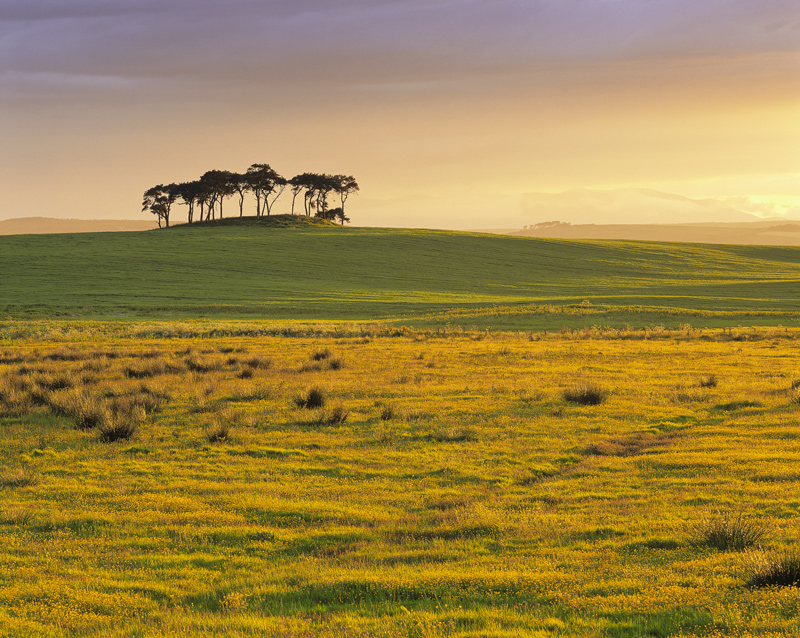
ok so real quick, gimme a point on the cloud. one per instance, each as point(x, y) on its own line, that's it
point(362, 41)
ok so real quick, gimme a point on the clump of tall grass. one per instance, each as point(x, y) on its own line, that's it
point(321, 355)
point(335, 416)
point(726, 532)
point(585, 394)
point(313, 398)
point(86, 411)
point(16, 516)
point(14, 399)
point(17, 477)
point(217, 431)
point(257, 362)
point(144, 370)
point(201, 364)
point(55, 381)
point(65, 354)
point(122, 424)
point(708, 381)
point(780, 569)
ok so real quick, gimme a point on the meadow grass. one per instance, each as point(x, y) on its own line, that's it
point(446, 487)
point(420, 278)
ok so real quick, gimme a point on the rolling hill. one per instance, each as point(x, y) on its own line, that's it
point(403, 276)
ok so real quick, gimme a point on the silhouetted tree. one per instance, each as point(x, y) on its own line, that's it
point(241, 185)
point(218, 185)
point(345, 185)
point(210, 190)
point(159, 200)
point(264, 181)
point(188, 192)
point(298, 184)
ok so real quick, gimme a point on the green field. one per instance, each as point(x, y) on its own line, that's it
point(413, 277)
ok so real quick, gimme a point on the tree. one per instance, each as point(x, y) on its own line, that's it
point(189, 192)
point(159, 200)
point(218, 185)
point(345, 185)
point(298, 184)
point(322, 185)
point(241, 185)
point(264, 181)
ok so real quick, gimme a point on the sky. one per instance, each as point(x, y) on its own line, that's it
point(449, 113)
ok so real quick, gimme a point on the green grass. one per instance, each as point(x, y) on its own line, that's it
point(415, 277)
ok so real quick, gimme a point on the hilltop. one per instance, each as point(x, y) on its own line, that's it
point(313, 271)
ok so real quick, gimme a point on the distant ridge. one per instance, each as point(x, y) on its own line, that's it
point(627, 206)
point(763, 233)
point(47, 225)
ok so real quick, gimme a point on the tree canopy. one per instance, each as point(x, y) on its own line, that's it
point(264, 183)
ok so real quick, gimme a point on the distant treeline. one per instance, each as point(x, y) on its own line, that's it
point(266, 185)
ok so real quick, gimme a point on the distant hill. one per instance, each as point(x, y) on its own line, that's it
point(627, 206)
point(763, 233)
point(46, 225)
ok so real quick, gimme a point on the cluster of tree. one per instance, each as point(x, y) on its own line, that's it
point(206, 194)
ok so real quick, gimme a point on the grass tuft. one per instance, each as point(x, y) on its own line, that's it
point(725, 532)
point(257, 362)
point(312, 399)
point(122, 425)
point(335, 416)
point(17, 477)
point(780, 569)
point(585, 394)
point(219, 430)
point(707, 381)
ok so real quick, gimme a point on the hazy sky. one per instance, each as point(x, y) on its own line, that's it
point(446, 111)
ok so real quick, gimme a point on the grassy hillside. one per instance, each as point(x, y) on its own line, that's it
point(406, 276)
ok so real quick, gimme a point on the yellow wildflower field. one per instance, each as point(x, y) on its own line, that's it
point(392, 482)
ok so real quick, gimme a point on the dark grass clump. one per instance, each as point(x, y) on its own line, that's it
point(312, 399)
point(335, 363)
point(65, 354)
point(86, 411)
point(152, 368)
point(708, 381)
point(122, 424)
point(17, 477)
point(725, 532)
point(200, 364)
point(60, 381)
point(775, 570)
point(585, 394)
point(321, 355)
point(387, 413)
point(219, 430)
point(258, 363)
point(335, 416)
